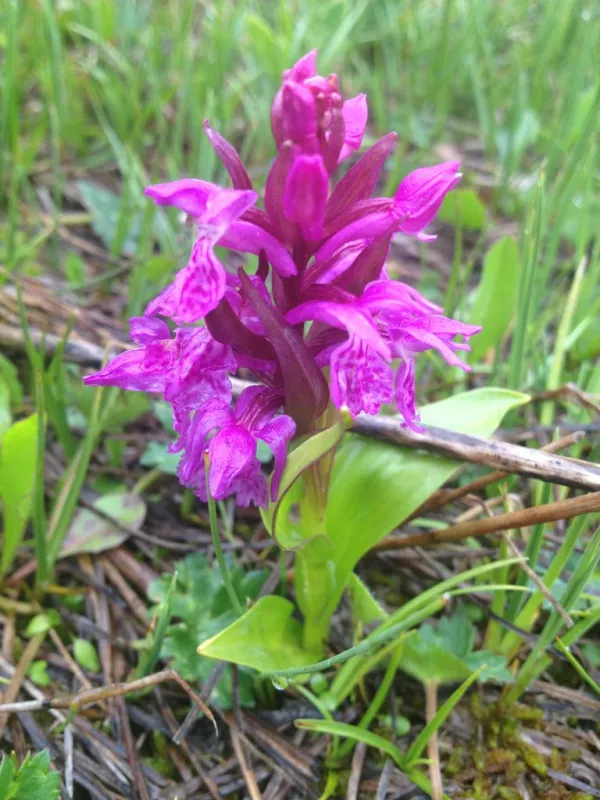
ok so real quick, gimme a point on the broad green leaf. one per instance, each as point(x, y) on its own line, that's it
point(86, 655)
point(18, 455)
point(90, 533)
point(496, 296)
point(463, 207)
point(365, 608)
point(376, 485)
point(429, 661)
point(301, 458)
point(265, 638)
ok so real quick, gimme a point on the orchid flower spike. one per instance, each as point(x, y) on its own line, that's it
point(319, 324)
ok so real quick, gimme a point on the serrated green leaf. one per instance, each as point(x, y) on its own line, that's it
point(495, 298)
point(33, 780)
point(266, 638)
point(200, 608)
point(86, 655)
point(18, 457)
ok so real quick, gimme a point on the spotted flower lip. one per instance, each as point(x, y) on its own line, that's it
point(319, 323)
point(230, 437)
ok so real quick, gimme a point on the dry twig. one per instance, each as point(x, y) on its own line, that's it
point(564, 509)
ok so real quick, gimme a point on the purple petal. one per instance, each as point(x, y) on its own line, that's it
point(346, 317)
point(249, 238)
point(251, 488)
point(369, 227)
point(334, 139)
point(366, 267)
point(305, 194)
point(418, 339)
point(404, 393)
point(129, 370)
point(277, 434)
point(213, 414)
point(188, 194)
point(226, 327)
point(144, 330)
point(231, 452)
point(419, 196)
point(361, 179)
point(229, 158)
point(360, 380)
point(225, 207)
point(299, 115)
point(355, 112)
point(304, 68)
point(197, 349)
point(276, 180)
point(196, 290)
point(388, 295)
point(256, 405)
point(330, 271)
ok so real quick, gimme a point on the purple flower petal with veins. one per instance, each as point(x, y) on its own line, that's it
point(420, 195)
point(231, 438)
point(360, 380)
point(355, 113)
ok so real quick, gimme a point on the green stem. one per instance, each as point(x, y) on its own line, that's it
point(214, 530)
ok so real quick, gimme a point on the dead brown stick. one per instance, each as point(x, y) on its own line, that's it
point(249, 776)
point(564, 509)
point(445, 496)
point(82, 699)
point(510, 458)
point(18, 676)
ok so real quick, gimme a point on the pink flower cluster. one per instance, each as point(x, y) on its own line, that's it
point(320, 298)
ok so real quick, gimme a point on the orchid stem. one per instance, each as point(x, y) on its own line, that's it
point(216, 538)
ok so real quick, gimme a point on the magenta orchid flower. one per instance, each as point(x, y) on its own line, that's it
point(320, 324)
point(230, 437)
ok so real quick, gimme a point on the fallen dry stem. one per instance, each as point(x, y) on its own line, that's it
point(89, 697)
point(564, 509)
point(445, 496)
